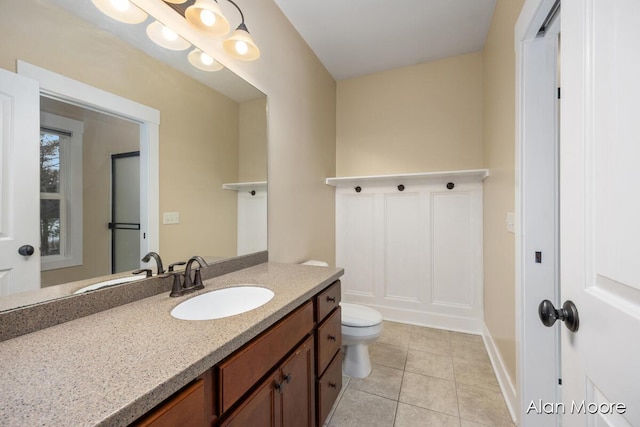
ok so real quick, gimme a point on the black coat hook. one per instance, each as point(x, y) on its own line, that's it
point(358, 189)
point(252, 192)
point(400, 187)
point(450, 185)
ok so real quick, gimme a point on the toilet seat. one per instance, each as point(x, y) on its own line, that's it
point(359, 316)
point(360, 323)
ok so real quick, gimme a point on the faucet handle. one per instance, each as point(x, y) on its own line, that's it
point(176, 289)
point(148, 271)
point(197, 281)
point(172, 266)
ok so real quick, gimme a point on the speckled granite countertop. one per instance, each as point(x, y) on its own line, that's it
point(112, 367)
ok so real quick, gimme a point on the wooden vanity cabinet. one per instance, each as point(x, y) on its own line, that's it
point(241, 371)
point(289, 376)
point(286, 398)
point(328, 350)
point(191, 406)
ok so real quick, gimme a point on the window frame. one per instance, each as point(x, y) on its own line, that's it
point(71, 190)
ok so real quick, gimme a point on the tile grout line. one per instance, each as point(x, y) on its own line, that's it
point(404, 369)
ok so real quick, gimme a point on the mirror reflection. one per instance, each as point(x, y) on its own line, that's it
point(212, 147)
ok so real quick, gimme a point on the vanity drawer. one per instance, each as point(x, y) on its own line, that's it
point(329, 340)
point(327, 301)
point(243, 369)
point(329, 386)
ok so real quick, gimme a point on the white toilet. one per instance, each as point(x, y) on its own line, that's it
point(361, 325)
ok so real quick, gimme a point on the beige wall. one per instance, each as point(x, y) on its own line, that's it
point(193, 163)
point(422, 118)
point(103, 135)
point(252, 147)
point(499, 188)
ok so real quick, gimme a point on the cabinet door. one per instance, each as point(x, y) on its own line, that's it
point(185, 408)
point(298, 398)
point(262, 408)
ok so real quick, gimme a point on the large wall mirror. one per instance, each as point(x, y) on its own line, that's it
point(212, 145)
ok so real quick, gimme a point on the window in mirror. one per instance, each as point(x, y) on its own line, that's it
point(60, 192)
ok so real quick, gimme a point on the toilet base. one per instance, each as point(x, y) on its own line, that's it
point(356, 362)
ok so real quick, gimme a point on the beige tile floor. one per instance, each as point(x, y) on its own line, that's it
point(423, 377)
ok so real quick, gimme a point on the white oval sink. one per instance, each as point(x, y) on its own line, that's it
point(222, 303)
point(109, 282)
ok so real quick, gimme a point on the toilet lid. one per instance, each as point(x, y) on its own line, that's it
point(359, 316)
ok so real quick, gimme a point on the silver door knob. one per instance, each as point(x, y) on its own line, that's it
point(568, 314)
point(26, 250)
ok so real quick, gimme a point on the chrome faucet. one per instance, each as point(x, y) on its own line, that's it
point(157, 258)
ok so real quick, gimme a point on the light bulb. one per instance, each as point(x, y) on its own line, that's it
point(241, 47)
point(120, 5)
point(169, 34)
point(206, 59)
point(207, 17)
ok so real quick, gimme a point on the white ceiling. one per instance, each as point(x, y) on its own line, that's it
point(357, 37)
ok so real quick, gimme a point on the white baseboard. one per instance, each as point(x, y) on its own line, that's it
point(433, 320)
point(506, 385)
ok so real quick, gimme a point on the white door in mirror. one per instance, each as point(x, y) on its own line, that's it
point(223, 303)
point(19, 176)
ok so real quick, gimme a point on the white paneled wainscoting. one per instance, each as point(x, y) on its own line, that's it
point(411, 246)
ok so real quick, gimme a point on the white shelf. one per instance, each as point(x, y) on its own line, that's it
point(245, 186)
point(479, 174)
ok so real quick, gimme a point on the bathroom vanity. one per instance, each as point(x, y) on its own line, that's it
point(279, 364)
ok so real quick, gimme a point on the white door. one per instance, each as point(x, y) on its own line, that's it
point(600, 211)
point(19, 183)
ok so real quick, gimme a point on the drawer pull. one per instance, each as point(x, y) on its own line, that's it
point(333, 385)
point(280, 387)
point(287, 378)
point(331, 337)
point(331, 299)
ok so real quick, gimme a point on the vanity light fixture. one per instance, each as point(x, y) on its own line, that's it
point(166, 37)
point(241, 45)
point(202, 61)
point(206, 16)
point(121, 10)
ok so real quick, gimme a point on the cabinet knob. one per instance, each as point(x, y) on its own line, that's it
point(331, 337)
point(333, 385)
point(287, 378)
point(331, 299)
point(280, 387)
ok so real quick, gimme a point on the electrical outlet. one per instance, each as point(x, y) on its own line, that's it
point(171, 218)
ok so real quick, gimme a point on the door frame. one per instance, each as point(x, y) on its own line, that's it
point(537, 195)
point(71, 91)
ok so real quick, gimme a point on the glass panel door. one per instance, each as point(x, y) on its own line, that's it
point(125, 211)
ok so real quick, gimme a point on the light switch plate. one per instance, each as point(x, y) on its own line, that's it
point(511, 222)
point(171, 218)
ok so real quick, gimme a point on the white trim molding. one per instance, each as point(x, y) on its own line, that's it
point(504, 379)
